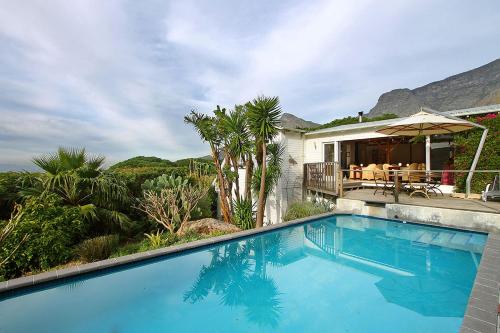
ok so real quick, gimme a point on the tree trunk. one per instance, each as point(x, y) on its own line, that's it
point(262, 198)
point(226, 212)
point(237, 178)
point(248, 177)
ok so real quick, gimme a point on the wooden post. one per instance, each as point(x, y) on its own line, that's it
point(341, 183)
point(396, 186)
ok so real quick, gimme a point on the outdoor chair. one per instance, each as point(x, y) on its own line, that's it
point(433, 182)
point(492, 191)
point(417, 184)
point(385, 183)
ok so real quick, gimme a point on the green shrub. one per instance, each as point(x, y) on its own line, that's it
point(167, 239)
point(466, 145)
point(126, 249)
point(53, 230)
point(299, 210)
point(207, 206)
point(8, 192)
point(98, 248)
point(244, 214)
point(156, 240)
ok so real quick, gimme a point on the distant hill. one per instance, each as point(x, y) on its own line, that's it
point(477, 87)
point(289, 120)
point(141, 162)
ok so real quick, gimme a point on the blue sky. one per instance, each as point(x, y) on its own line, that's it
point(117, 77)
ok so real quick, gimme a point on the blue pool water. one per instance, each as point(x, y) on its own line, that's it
point(338, 274)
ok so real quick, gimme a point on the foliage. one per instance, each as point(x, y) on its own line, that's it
point(244, 214)
point(299, 210)
point(8, 192)
point(142, 161)
point(466, 145)
point(135, 177)
point(273, 172)
point(352, 120)
point(172, 206)
point(155, 239)
point(164, 181)
point(79, 180)
point(264, 114)
point(209, 130)
point(53, 229)
point(7, 230)
point(97, 248)
point(207, 206)
point(167, 239)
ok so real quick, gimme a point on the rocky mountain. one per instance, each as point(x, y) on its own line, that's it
point(288, 120)
point(477, 87)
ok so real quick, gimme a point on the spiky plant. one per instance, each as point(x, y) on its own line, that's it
point(263, 114)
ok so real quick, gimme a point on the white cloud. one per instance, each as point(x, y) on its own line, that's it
point(118, 76)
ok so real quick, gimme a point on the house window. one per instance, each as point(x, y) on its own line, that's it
point(329, 152)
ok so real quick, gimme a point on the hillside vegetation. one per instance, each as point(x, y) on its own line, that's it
point(353, 120)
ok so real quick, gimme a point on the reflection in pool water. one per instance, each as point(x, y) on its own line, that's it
point(342, 274)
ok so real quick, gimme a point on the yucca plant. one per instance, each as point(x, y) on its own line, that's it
point(155, 239)
point(244, 213)
point(264, 114)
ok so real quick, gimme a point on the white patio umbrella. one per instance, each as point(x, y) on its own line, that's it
point(430, 122)
point(426, 123)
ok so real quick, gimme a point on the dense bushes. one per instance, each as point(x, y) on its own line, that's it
point(53, 230)
point(466, 145)
point(299, 210)
point(77, 210)
point(97, 248)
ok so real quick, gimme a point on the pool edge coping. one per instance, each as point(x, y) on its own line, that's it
point(41, 278)
point(482, 311)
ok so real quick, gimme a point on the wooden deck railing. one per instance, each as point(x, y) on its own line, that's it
point(322, 176)
point(328, 177)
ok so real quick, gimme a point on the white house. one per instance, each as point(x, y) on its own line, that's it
point(356, 145)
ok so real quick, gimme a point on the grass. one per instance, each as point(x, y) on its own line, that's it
point(303, 209)
point(168, 240)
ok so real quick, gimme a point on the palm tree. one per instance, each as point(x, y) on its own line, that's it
point(208, 130)
point(273, 169)
point(263, 114)
point(237, 139)
point(80, 180)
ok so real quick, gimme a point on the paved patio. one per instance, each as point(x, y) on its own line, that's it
point(438, 201)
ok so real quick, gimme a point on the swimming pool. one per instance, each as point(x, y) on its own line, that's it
point(339, 274)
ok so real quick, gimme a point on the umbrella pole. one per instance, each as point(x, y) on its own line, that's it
point(476, 159)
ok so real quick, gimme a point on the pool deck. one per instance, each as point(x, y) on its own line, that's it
point(437, 201)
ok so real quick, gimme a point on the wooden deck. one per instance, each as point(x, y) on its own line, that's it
point(438, 201)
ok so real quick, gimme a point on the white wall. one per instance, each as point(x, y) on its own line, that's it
point(313, 144)
point(289, 187)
